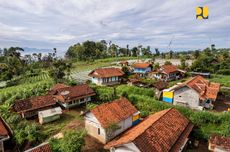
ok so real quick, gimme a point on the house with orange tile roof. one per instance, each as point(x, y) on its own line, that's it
point(5, 133)
point(167, 73)
point(110, 119)
point(164, 131)
point(219, 144)
point(44, 147)
point(106, 76)
point(69, 97)
point(141, 68)
point(195, 93)
point(30, 107)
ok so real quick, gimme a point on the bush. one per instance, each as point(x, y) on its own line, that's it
point(224, 71)
point(72, 142)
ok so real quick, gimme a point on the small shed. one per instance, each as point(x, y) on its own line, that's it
point(49, 115)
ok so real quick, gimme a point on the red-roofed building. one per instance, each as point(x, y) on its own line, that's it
point(108, 120)
point(5, 133)
point(72, 96)
point(106, 76)
point(195, 93)
point(168, 73)
point(31, 106)
point(142, 69)
point(164, 131)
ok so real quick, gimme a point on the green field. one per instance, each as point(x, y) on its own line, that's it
point(89, 65)
point(224, 80)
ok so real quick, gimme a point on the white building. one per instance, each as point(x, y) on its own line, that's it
point(106, 76)
point(108, 120)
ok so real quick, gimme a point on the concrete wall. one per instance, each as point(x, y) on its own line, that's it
point(92, 126)
point(187, 97)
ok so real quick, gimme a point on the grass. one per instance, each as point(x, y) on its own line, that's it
point(57, 126)
point(79, 66)
point(224, 80)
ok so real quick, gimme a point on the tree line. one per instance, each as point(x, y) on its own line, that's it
point(90, 50)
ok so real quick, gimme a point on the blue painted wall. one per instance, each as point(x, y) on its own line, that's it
point(169, 100)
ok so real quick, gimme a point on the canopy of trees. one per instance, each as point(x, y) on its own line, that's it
point(90, 50)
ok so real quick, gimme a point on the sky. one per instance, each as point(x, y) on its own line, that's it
point(61, 23)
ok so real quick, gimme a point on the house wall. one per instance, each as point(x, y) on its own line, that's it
point(106, 81)
point(92, 126)
point(142, 70)
point(129, 147)
point(76, 102)
point(43, 120)
point(187, 97)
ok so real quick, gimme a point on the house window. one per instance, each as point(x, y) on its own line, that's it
point(98, 131)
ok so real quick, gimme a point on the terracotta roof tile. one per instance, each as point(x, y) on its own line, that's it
point(141, 65)
point(41, 148)
point(113, 112)
point(68, 94)
point(221, 142)
point(163, 131)
point(59, 86)
point(106, 72)
point(168, 69)
point(205, 88)
point(34, 103)
point(3, 128)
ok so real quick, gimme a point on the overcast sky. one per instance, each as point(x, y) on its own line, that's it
point(61, 23)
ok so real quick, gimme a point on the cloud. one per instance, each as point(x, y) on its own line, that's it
point(58, 23)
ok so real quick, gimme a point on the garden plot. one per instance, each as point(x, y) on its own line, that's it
point(80, 76)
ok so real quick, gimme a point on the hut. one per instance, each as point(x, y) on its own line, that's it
point(49, 115)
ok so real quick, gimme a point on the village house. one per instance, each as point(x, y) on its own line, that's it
point(5, 134)
point(195, 93)
point(142, 69)
point(30, 107)
point(167, 73)
point(164, 131)
point(106, 76)
point(44, 147)
point(219, 144)
point(108, 120)
point(69, 97)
